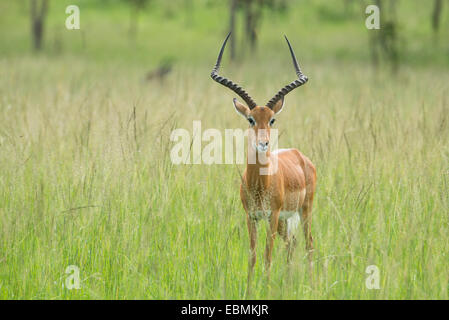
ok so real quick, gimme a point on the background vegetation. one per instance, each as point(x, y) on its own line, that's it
point(86, 177)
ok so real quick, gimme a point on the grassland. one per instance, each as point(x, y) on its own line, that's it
point(86, 178)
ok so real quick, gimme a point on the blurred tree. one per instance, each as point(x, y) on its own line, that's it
point(385, 42)
point(252, 12)
point(136, 7)
point(437, 8)
point(38, 15)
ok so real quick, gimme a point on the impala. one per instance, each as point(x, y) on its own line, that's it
point(280, 188)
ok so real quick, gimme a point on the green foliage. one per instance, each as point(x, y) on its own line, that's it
point(319, 28)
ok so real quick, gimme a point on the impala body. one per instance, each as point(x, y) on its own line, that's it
point(279, 186)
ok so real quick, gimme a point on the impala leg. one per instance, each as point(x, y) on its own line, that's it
point(271, 235)
point(290, 240)
point(306, 213)
point(306, 218)
point(252, 230)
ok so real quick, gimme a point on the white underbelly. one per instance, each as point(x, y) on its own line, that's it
point(285, 215)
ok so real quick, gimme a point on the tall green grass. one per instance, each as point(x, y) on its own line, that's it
point(86, 180)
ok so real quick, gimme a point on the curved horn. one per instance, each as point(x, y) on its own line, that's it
point(302, 79)
point(228, 83)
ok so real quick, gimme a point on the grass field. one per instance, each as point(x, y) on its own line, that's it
point(86, 178)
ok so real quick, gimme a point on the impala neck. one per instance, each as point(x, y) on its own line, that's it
point(257, 171)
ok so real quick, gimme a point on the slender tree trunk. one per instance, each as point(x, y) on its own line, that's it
point(253, 11)
point(250, 22)
point(375, 41)
point(393, 48)
point(255, 24)
point(385, 42)
point(437, 7)
point(38, 14)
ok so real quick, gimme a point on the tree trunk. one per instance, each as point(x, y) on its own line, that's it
point(37, 22)
point(436, 15)
point(250, 24)
point(253, 11)
point(375, 41)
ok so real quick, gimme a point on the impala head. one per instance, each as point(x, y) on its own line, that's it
point(260, 118)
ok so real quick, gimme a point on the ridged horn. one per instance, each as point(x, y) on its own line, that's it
point(228, 83)
point(302, 79)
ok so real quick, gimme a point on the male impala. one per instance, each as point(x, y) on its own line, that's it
point(282, 187)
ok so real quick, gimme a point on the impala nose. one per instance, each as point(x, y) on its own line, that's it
point(263, 145)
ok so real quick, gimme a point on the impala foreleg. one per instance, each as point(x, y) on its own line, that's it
point(306, 218)
point(271, 235)
point(252, 231)
point(289, 239)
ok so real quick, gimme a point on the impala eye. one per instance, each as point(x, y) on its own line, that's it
point(251, 121)
point(272, 121)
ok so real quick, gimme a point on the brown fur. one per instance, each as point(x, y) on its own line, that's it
point(279, 191)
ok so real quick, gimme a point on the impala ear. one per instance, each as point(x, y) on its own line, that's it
point(278, 106)
point(241, 108)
